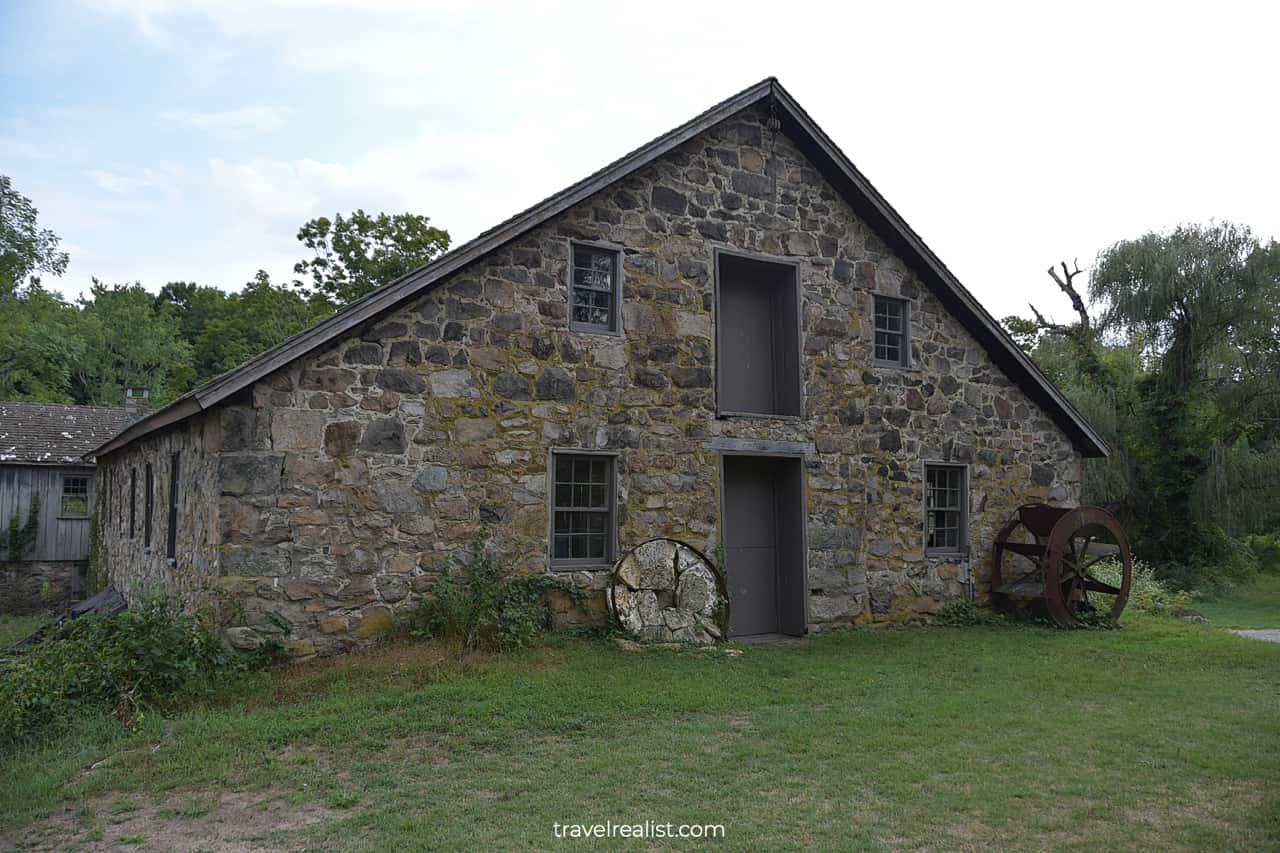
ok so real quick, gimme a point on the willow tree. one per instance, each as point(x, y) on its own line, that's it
point(1204, 300)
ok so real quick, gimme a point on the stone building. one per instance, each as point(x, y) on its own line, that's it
point(47, 496)
point(727, 337)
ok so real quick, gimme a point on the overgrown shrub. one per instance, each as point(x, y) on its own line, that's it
point(148, 656)
point(486, 605)
point(1147, 593)
point(1266, 550)
point(965, 614)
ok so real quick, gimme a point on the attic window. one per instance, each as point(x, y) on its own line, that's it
point(893, 341)
point(594, 293)
point(75, 497)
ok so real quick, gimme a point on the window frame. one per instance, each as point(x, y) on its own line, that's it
point(171, 535)
point(904, 362)
point(148, 505)
point(718, 253)
point(133, 501)
point(615, 317)
point(583, 564)
point(961, 548)
point(62, 497)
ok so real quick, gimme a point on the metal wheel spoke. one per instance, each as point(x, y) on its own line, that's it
point(1099, 586)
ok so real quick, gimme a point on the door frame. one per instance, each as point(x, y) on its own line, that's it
point(798, 457)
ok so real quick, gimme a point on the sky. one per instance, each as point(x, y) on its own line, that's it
point(168, 141)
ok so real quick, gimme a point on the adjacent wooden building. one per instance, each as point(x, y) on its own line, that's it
point(47, 493)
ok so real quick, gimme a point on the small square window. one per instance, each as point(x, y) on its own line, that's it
point(582, 511)
point(75, 497)
point(892, 341)
point(945, 509)
point(594, 293)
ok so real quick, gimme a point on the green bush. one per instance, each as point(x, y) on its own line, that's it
point(1266, 550)
point(486, 605)
point(148, 656)
point(1147, 592)
point(964, 614)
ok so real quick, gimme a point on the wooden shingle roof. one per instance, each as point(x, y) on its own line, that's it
point(55, 434)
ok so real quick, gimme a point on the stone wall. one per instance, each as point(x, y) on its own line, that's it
point(30, 586)
point(128, 564)
point(354, 475)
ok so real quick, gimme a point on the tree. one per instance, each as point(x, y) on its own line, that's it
point(1192, 292)
point(25, 248)
point(1179, 367)
point(358, 254)
point(38, 341)
point(39, 345)
point(128, 341)
point(249, 322)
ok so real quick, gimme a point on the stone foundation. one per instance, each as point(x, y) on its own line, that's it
point(31, 586)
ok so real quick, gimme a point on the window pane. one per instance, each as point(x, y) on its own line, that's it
point(582, 520)
point(944, 506)
point(593, 281)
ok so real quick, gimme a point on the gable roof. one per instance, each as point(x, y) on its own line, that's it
point(857, 191)
point(54, 434)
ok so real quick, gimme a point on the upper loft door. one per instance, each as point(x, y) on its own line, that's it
point(757, 337)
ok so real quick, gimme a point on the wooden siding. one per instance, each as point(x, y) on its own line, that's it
point(56, 538)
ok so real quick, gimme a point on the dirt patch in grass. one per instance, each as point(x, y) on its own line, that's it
point(229, 820)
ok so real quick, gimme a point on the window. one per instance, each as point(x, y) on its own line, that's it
point(593, 288)
point(133, 500)
point(757, 337)
point(945, 508)
point(75, 497)
point(582, 510)
point(148, 500)
point(171, 549)
point(892, 344)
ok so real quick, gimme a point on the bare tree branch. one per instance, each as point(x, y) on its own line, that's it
point(1066, 282)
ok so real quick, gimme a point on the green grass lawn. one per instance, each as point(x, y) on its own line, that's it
point(1255, 605)
point(1162, 735)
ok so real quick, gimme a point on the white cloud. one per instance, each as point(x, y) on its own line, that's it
point(1009, 136)
point(245, 121)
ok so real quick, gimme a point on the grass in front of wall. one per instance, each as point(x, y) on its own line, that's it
point(15, 628)
point(1252, 605)
point(1161, 735)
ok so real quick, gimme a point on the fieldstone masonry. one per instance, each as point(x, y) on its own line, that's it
point(337, 489)
point(32, 586)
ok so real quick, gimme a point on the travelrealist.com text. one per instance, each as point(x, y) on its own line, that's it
point(642, 830)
